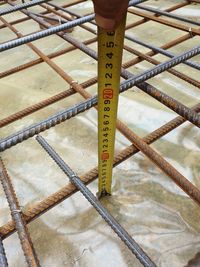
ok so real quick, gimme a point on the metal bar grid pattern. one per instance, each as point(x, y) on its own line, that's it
point(63, 20)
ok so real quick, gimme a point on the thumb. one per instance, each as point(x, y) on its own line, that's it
point(108, 13)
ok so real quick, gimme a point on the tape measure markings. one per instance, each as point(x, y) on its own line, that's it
point(110, 47)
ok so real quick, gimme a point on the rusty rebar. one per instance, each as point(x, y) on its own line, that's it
point(167, 168)
point(60, 96)
point(161, 163)
point(44, 33)
point(176, 6)
point(135, 61)
point(152, 47)
point(176, 25)
point(66, 17)
point(40, 60)
point(52, 64)
point(28, 18)
point(116, 227)
point(120, 126)
point(161, 12)
point(33, 108)
point(38, 209)
point(154, 61)
point(179, 179)
point(187, 37)
point(15, 22)
point(17, 217)
point(158, 160)
point(158, 50)
point(58, 69)
point(68, 113)
point(165, 46)
point(163, 98)
point(168, 101)
point(192, 64)
point(52, 30)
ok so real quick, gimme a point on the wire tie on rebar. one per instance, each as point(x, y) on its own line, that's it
point(73, 175)
point(73, 82)
point(59, 20)
point(13, 212)
point(190, 32)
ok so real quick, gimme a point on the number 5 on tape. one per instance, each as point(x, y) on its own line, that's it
point(110, 47)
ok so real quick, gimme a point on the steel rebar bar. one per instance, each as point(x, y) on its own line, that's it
point(154, 61)
point(27, 111)
point(3, 259)
point(40, 60)
point(22, 230)
point(135, 61)
point(117, 228)
point(147, 88)
point(28, 18)
point(130, 38)
point(154, 156)
point(66, 17)
point(44, 33)
point(120, 126)
point(160, 96)
point(161, 51)
point(177, 177)
point(52, 30)
point(191, 30)
point(160, 68)
point(83, 106)
point(31, 3)
point(39, 208)
point(161, 12)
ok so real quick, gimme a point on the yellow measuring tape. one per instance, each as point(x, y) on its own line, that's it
point(110, 47)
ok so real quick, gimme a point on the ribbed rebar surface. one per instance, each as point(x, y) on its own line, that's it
point(117, 228)
point(69, 113)
point(21, 6)
point(3, 259)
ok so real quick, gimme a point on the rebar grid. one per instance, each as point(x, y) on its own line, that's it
point(138, 144)
point(117, 228)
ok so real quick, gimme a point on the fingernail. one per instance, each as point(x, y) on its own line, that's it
point(107, 24)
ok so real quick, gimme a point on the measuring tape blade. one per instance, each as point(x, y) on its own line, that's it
point(110, 48)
